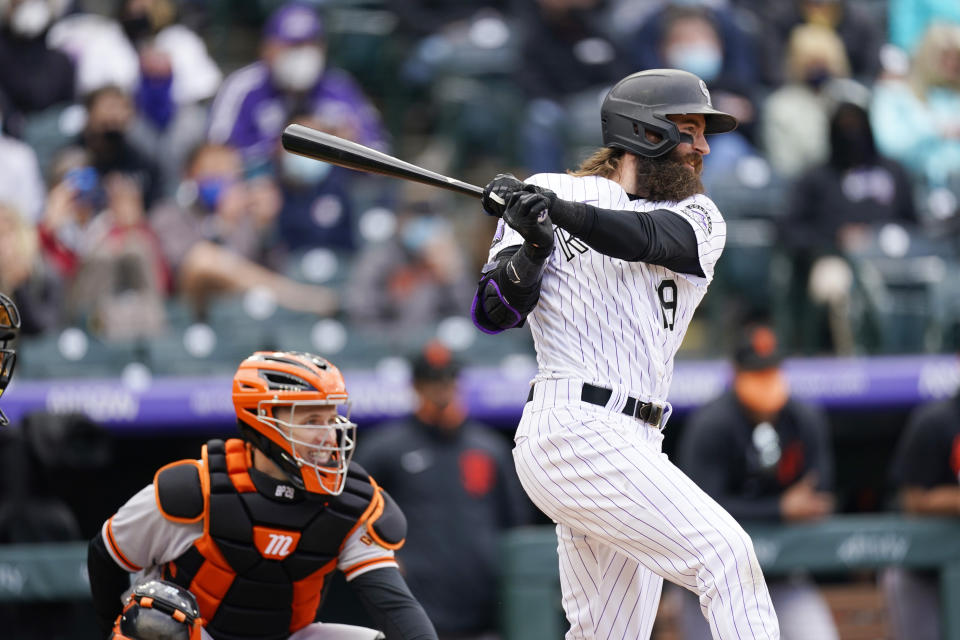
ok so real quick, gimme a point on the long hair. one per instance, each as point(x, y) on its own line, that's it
point(928, 67)
point(604, 162)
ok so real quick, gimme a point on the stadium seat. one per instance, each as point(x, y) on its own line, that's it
point(199, 349)
point(50, 130)
point(904, 285)
point(75, 353)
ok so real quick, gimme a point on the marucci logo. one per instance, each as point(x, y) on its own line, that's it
point(279, 545)
point(275, 544)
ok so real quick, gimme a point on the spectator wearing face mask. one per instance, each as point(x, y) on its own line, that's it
point(95, 235)
point(693, 38)
point(412, 280)
point(105, 137)
point(33, 76)
point(834, 208)
point(254, 103)
point(177, 78)
point(317, 208)
point(856, 24)
point(795, 119)
point(211, 236)
point(723, 50)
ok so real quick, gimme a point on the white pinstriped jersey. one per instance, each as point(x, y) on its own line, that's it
point(607, 321)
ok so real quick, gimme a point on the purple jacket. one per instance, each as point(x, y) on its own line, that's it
point(250, 113)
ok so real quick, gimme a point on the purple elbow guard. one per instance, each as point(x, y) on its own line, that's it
point(490, 311)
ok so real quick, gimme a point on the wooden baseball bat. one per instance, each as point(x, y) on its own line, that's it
point(318, 145)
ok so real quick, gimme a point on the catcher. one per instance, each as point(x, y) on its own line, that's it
point(255, 528)
point(9, 328)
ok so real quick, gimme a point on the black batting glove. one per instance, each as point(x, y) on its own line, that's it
point(528, 213)
point(497, 192)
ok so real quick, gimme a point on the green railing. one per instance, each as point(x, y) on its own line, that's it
point(41, 572)
point(531, 582)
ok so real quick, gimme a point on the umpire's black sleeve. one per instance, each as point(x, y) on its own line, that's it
point(658, 237)
point(394, 610)
point(108, 581)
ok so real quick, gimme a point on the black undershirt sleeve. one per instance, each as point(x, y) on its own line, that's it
point(659, 237)
point(108, 581)
point(388, 601)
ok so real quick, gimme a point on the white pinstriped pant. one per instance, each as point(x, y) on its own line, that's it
point(627, 519)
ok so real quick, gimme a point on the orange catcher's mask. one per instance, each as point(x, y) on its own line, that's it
point(294, 408)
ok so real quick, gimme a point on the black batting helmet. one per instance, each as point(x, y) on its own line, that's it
point(642, 101)
point(9, 328)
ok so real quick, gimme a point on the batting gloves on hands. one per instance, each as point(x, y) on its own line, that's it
point(528, 213)
point(524, 207)
point(497, 191)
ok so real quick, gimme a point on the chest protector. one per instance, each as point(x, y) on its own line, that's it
point(260, 569)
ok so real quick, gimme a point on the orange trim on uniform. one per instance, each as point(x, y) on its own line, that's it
point(118, 554)
point(206, 546)
point(146, 602)
point(217, 582)
point(205, 488)
point(214, 563)
point(306, 596)
point(238, 465)
point(349, 571)
point(156, 492)
point(378, 511)
point(377, 498)
point(393, 546)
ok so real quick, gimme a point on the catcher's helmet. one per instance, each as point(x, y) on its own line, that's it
point(642, 101)
point(283, 401)
point(159, 610)
point(9, 328)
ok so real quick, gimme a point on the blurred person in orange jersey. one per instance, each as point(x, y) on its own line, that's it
point(454, 478)
point(926, 475)
point(764, 456)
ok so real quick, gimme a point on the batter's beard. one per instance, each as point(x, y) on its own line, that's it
point(668, 178)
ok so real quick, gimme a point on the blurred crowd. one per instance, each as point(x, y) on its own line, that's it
point(144, 189)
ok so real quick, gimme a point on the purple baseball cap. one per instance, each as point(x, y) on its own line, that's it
point(293, 23)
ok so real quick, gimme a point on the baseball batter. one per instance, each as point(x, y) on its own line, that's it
point(608, 264)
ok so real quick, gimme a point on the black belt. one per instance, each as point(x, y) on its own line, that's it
point(648, 412)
